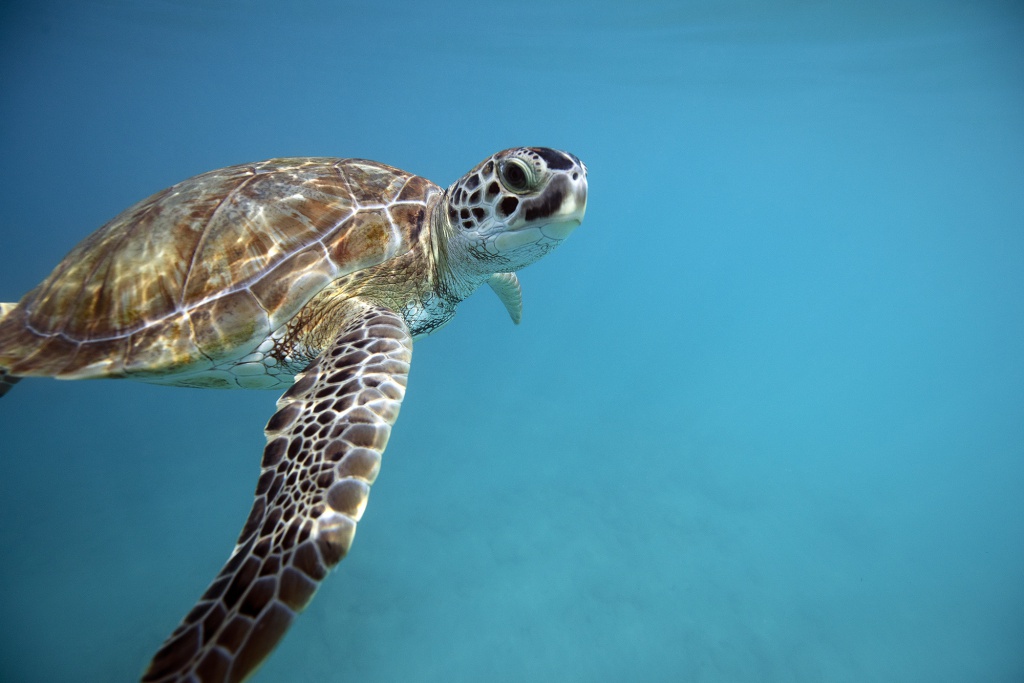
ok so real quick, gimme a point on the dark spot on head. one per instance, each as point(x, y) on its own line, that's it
point(479, 213)
point(492, 190)
point(545, 205)
point(488, 168)
point(464, 214)
point(508, 205)
point(475, 197)
point(467, 224)
point(554, 158)
point(472, 182)
point(452, 213)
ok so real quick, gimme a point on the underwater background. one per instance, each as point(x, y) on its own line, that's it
point(763, 419)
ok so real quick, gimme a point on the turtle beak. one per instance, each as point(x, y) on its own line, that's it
point(570, 213)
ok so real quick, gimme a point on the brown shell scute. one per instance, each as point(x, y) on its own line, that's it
point(215, 263)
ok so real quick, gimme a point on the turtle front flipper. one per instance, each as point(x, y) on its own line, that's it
point(7, 381)
point(323, 451)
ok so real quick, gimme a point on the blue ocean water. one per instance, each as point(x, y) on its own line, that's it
point(764, 417)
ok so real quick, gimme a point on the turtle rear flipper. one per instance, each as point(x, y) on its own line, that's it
point(6, 381)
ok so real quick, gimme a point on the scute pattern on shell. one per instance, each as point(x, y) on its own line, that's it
point(211, 265)
point(323, 452)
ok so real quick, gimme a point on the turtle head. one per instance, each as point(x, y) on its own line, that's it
point(514, 208)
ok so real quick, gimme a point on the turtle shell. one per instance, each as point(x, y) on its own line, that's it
point(207, 269)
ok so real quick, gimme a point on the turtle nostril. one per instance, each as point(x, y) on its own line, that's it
point(575, 175)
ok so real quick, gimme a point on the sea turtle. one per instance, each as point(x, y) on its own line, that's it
point(314, 274)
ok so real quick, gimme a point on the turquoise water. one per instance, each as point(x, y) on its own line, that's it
point(764, 417)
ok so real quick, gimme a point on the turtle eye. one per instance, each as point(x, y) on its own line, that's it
point(515, 176)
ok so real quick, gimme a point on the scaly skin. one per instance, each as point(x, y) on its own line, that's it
point(323, 452)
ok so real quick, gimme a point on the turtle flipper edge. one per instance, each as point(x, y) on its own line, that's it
point(7, 381)
point(323, 451)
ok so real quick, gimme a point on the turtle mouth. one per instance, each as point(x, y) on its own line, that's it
point(556, 231)
point(561, 229)
point(570, 212)
point(560, 210)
